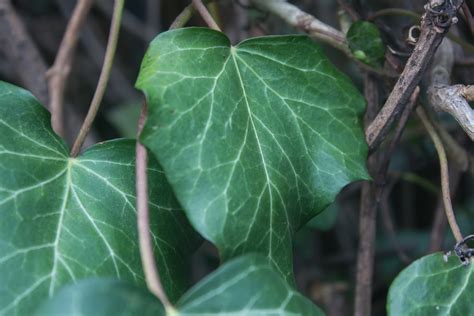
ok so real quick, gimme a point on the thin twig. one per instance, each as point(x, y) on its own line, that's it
point(432, 34)
point(58, 73)
point(370, 199)
point(207, 17)
point(119, 87)
point(103, 79)
point(439, 223)
point(302, 20)
point(314, 28)
point(130, 22)
point(183, 17)
point(143, 219)
point(152, 276)
point(443, 162)
point(387, 155)
point(367, 214)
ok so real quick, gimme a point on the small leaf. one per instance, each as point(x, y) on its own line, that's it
point(366, 44)
point(102, 297)
point(256, 139)
point(63, 219)
point(244, 286)
point(430, 286)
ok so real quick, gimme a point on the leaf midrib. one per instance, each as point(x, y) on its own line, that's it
point(267, 177)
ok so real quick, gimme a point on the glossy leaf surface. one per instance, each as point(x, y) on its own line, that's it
point(101, 297)
point(244, 286)
point(256, 139)
point(63, 219)
point(430, 286)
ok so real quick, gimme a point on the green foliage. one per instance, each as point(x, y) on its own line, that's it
point(366, 44)
point(65, 218)
point(431, 286)
point(100, 297)
point(255, 139)
point(247, 285)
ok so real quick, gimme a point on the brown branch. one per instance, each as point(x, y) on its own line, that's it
point(445, 98)
point(365, 252)
point(21, 51)
point(152, 276)
point(454, 100)
point(103, 79)
point(367, 215)
point(58, 74)
point(370, 199)
point(304, 21)
point(448, 208)
point(207, 17)
point(433, 31)
point(119, 87)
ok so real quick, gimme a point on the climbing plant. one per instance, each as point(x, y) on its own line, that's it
point(238, 144)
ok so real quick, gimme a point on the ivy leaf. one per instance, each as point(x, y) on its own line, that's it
point(255, 139)
point(431, 286)
point(64, 218)
point(248, 283)
point(366, 44)
point(244, 286)
point(100, 297)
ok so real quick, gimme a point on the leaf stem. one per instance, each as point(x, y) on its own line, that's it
point(183, 17)
point(207, 17)
point(103, 79)
point(152, 276)
point(58, 73)
point(443, 162)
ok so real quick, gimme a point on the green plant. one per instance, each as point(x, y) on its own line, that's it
point(248, 143)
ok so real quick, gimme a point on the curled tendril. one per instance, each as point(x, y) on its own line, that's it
point(462, 251)
point(443, 14)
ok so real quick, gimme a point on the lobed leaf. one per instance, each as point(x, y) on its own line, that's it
point(64, 218)
point(255, 139)
point(244, 286)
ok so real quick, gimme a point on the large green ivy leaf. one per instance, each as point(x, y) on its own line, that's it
point(63, 219)
point(245, 286)
point(430, 286)
point(256, 139)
